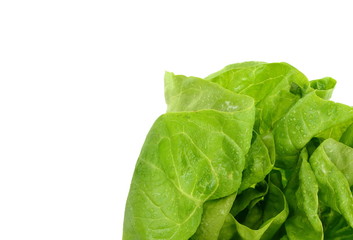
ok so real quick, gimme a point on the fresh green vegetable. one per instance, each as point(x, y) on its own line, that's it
point(253, 151)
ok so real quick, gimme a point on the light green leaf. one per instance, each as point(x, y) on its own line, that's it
point(324, 87)
point(229, 229)
point(310, 117)
point(249, 198)
point(347, 137)
point(271, 216)
point(187, 159)
point(213, 218)
point(215, 166)
point(228, 71)
point(191, 94)
point(342, 156)
point(334, 188)
point(302, 196)
point(260, 160)
point(274, 86)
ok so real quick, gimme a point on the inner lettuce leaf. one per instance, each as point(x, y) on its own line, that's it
point(302, 196)
point(347, 137)
point(253, 151)
point(228, 230)
point(259, 161)
point(249, 198)
point(335, 226)
point(262, 220)
point(324, 87)
point(334, 188)
point(214, 215)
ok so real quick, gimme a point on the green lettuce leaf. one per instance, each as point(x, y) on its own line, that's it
point(324, 87)
point(264, 222)
point(310, 117)
point(260, 160)
point(253, 151)
point(342, 156)
point(179, 167)
point(191, 94)
point(347, 137)
point(334, 189)
point(249, 198)
point(335, 226)
point(275, 87)
point(302, 196)
point(228, 230)
point(214, 215)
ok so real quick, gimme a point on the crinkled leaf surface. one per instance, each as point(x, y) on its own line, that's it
point(335, 226)
point(275, 87)
point(342, 156)
point(229, 228)
point(260, 160)
point(324, 87)
point(249, 198)
point(334, 189)
point(310, 117)
point(190, 94)
point(268, 219)
point(187, 159)
point(214, 215)
point(302, 196)
point(217, 165)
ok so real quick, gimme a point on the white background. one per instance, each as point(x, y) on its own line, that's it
point(81, 82)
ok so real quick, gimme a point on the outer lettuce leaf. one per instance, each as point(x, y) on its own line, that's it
point(231, 130)
point(334, 189)
point(227, 72)
point(274, 86)
point(302, 196)
point(310, 117)
point(187, 159)
point(193, 94)
point(190, 94)
point(213, 218)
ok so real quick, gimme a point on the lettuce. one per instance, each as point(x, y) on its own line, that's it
point(253, 151)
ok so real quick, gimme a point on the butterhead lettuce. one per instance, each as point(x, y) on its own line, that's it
point(254, 151)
